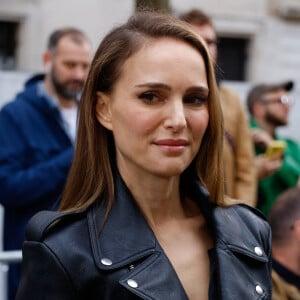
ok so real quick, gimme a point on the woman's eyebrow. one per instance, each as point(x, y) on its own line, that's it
point(201, 89)
point(154, 85)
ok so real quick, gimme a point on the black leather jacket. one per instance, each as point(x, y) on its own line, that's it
point(67, 256)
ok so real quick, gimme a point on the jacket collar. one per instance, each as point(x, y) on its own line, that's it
point(125, 236)
point(126, 239)
point(127, 229)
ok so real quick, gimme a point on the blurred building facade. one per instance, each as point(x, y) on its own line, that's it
point(269, 29)
point(259, 39)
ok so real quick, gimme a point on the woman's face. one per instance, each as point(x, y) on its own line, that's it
point(158, 109)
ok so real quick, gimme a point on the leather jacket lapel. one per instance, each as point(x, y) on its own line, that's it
point(228, 224)
point(155, 278)
point(243, 257)
point(237, 237)
point(125, 236)
point(242, 248)
point(127, 241)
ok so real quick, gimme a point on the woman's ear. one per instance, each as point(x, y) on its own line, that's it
point(103, 110)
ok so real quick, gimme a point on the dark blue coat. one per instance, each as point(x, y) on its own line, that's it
point(35, 156)
point(67, 256)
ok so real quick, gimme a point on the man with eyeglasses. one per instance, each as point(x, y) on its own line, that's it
point(269, 106)
point(284, 219)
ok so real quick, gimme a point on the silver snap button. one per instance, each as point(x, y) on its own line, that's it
point(132, 283)
point(106, 261)
point(258, 251)
point(259, 290)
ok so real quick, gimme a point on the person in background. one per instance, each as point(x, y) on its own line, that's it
point(284, 219)
point(269, 106)
point(143, 215)
point(240, 173)
point(266, 165)
point(37, 133)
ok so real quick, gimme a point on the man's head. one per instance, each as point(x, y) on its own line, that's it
point(66, 62)
point(284, 219)
point(203, 25)
point(269, 104)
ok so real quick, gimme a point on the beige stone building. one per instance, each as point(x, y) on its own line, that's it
point(271, 28)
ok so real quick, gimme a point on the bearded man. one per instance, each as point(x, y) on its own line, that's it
point(37, 133)
point(269, 106)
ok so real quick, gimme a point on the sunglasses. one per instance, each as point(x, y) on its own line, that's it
point(284, 100)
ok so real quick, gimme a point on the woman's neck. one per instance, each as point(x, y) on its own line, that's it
point(157, 197)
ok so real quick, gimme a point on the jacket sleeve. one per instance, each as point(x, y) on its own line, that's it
point(43, 276)
point(26, 176)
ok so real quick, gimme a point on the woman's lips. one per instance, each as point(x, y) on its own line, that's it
point(172, 145)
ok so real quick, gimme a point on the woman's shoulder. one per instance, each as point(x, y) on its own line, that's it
point(243, 225)
point(47, 223)
point(241, 213)
point(238, 207)
point(62, 235)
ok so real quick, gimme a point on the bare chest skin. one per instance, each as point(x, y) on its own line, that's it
point(186, 243)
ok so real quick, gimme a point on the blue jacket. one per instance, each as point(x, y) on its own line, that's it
point(67, 256)
point(35, 156)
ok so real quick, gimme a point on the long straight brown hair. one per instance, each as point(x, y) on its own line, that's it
point(91, 173)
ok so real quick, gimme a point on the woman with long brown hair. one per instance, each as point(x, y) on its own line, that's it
point(142, 215)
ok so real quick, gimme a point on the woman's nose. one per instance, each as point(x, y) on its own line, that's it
point(175, 116)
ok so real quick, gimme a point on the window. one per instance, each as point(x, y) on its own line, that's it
point(232, 58)
point(8, 31)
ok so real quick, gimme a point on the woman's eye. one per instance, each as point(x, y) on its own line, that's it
point(148, 97)
point(196, 99)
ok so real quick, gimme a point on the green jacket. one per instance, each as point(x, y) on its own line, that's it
point(287, 176)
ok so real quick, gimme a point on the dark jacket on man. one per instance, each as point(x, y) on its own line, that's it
point(35, 156)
